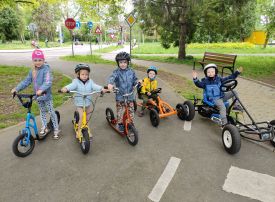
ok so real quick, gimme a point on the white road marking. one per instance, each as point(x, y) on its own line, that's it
point(187, 125)
point(164, 179)
point(250, 184)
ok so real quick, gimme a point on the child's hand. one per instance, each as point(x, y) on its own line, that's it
point(240, 69)
point(110, 86)
point(194, 74)
point(64, 90)
point(39, 92)
point(140, 81)
point(13, 90)
point(149, 94)
point(104, 90)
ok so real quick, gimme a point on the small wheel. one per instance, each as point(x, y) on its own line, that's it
point(109, 115)
point(231, 139)
point(76, 116)
point(20, 147)
point(272, 141)
point(186, 111)
point(85, 142)
point(154, 117)
point(132, 135)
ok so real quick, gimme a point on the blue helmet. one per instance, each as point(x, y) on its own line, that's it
point(152, 68)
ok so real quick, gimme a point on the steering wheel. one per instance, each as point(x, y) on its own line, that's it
point(156, 91)
point(228, 85)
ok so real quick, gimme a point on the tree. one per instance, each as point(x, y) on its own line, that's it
point(9, 23)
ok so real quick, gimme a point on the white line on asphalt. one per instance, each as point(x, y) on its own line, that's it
point(164, 179)
point(187, 125)
point(250, 184)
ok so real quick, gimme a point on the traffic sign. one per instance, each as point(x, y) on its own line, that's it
point(90, 24)
point(77, 24)
point(112, 36)
point(32, 27)
point(131, 20)
point(70, 23)
point(97, 30)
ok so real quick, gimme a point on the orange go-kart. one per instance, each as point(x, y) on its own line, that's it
point(160, 109)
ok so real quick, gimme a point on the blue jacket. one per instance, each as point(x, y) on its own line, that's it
point(211, 86)
point(124, 80)
point(88, 87)
point(41, 81)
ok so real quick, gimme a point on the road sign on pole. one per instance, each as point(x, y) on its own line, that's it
point(77, 24)
point(70, 23)
point(97, 30)
point(90, 24)
point(131, 19)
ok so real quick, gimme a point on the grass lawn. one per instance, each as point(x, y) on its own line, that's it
point(11, 110)
point(156, 48)
point(19, 45)
point(96, 59)
point(108, 49)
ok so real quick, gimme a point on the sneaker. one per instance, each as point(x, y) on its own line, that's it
point(44, 131)
point(120, 128)
point(265, 136)
point(56, 134)
point(141, 113)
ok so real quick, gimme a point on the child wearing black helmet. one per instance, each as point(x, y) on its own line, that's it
point(85, 85)
point(211, 84)
point(149, 83)
point(124, 78)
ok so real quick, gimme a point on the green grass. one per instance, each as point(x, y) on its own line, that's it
point(96, 59)
point(11, 110)
point(15, 45)
point(108, 49)
point(156, 48)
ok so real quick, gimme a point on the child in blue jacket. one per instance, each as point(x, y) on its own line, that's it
point(41, 77)
point(124, 78)
point(85, 85)
point(211, 84)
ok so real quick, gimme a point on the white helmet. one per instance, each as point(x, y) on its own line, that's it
point(212, 65)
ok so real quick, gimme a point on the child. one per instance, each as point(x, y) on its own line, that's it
point(124, 78)
point(85, 85)
point(41, 77)
point(211, 85)
point(149, 83)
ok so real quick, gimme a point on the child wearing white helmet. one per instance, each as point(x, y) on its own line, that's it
point(213, 81)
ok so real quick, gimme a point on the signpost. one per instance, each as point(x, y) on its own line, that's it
point(130, 21)
point(71, 24)
point(90, 26)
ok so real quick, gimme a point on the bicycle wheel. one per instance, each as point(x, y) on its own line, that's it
point(20, 147)
point(132, 135)
point(109, 115)
point(85, 142)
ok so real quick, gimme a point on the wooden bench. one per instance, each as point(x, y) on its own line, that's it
point(225, 61)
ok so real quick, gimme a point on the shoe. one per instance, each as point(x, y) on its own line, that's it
point(56, 134)
point(141, 113)
point(265, 136)
point(237, 107)
point(120, 128)
point(44, 131)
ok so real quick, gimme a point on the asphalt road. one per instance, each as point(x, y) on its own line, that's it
point(115, 171)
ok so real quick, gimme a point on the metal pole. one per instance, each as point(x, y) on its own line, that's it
point(130, 40)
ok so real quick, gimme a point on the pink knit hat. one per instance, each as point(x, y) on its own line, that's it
point(38, 54)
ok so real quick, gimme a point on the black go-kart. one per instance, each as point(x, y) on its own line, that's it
point(231, 133)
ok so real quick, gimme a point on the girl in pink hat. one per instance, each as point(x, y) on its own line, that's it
point(41, 77)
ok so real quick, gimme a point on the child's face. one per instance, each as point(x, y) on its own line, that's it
point(211, 72)
point(151, 74)
point(38, 62)
point(123, 64)
point(83, 75)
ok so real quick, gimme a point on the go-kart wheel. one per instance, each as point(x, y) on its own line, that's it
point(20, 147)
point(85, 142)
point(132, 135)
point(109, 115)
point(231, 139)
point(272, 141)
point(154, 117)
point(186, 111)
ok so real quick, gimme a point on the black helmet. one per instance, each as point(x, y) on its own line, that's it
point(210, 66)
point(123, 56)
point(81, 66)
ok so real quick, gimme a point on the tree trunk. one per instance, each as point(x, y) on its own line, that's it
point(266, 39)
point(183, 31)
